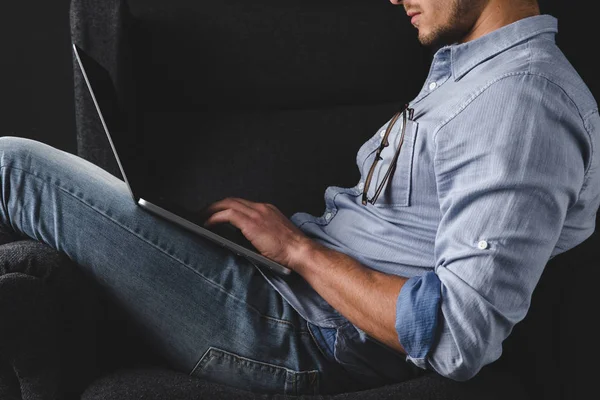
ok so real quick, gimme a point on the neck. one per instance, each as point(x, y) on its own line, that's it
point(499, 13)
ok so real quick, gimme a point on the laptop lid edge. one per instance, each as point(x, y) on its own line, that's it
point(97, 106)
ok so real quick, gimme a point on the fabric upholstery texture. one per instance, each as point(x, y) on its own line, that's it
point(156, 383)
point(49, 312)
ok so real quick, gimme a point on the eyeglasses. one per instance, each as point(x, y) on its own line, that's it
point(407, 114)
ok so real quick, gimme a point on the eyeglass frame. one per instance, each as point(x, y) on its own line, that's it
point(384, 143)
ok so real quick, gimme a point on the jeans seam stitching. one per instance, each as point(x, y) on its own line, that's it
point(237, 356)
point(200, 360)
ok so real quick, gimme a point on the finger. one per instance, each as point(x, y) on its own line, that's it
point(261, 208)
point(245, 202)
point(230, 202)
point(232, 216)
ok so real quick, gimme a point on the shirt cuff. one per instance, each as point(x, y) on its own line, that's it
point(417, 310)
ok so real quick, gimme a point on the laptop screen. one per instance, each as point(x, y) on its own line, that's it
point(118, 116)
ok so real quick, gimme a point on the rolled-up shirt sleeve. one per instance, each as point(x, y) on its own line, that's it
point(417, 314)
point(508, 166)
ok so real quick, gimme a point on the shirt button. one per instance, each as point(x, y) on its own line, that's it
point(382, 133)
point(432, 85)
point(482, 245)
point(328, 216)
point(361, 186)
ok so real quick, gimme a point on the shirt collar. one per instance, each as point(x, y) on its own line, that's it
point(468, 55)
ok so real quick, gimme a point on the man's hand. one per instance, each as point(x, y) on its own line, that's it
point(364, 296)
point(271, 232)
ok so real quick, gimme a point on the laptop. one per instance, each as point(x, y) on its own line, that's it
point(119, 122)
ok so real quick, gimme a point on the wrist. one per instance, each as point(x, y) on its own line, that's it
point(302, 254)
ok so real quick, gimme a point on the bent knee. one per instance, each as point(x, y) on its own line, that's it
point(12, 141)
point(15, 148)
point(10, 145)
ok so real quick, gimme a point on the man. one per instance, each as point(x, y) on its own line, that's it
point(426, 264)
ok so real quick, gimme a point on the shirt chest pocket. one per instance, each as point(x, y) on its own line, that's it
point(396, 190)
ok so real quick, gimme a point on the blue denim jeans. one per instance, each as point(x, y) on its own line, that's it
point(208, 312)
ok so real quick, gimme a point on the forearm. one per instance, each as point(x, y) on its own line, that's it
point(367, 298)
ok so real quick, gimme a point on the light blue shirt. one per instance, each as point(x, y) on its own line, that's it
point(498, 173)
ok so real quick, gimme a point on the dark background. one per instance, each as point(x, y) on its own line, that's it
point(36, 85)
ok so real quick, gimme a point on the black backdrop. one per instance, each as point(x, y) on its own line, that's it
point(36, 84)
point(36, 87)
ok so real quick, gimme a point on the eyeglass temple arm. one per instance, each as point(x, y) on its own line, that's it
point(377, 158)
point(393, 163)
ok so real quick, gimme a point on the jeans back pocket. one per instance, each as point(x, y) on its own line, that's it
point(230, 369)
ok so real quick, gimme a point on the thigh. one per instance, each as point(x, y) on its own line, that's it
point(206, 310)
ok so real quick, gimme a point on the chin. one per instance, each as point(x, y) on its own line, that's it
point(439, 37)
point(426, 39)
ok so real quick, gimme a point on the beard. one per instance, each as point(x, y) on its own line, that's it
point(462, 17)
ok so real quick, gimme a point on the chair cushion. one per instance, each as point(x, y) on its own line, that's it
point(157, 383)
point(48, 326)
